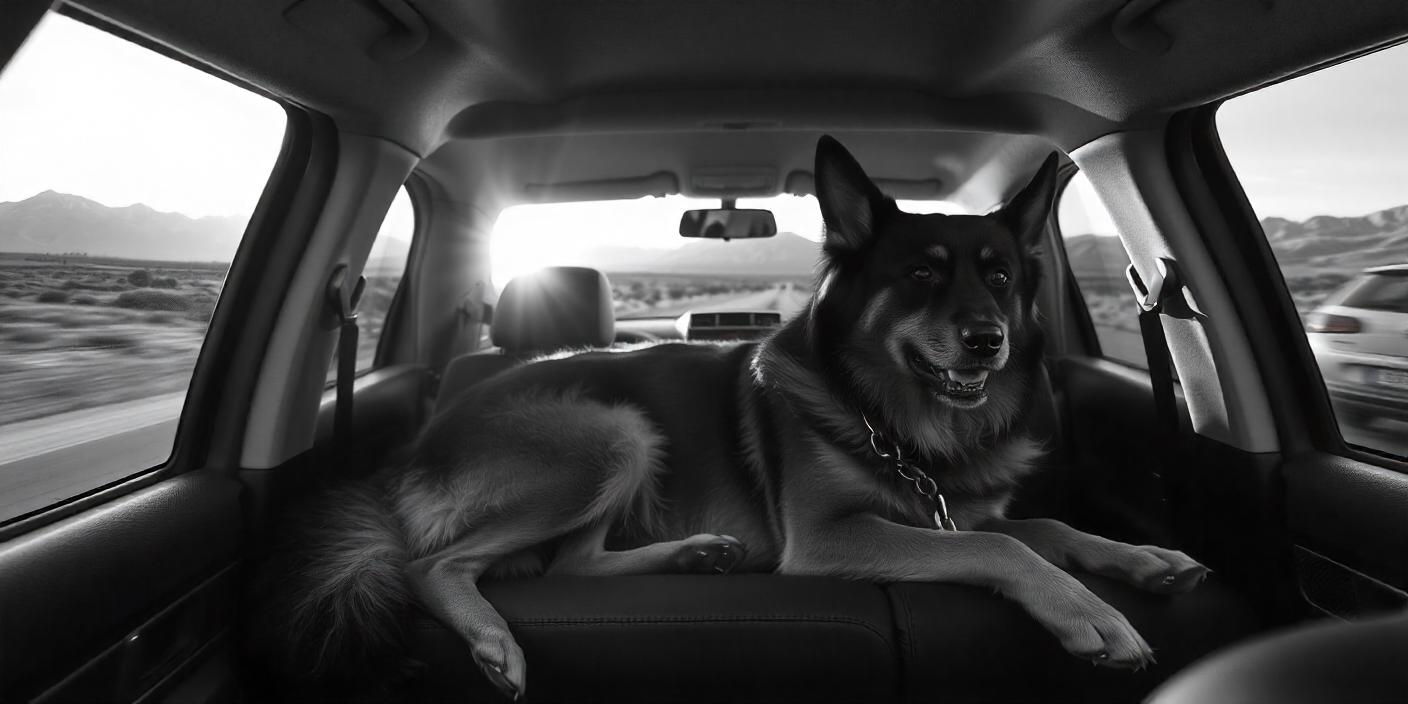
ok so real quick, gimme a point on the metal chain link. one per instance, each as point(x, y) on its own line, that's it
point(923, 484)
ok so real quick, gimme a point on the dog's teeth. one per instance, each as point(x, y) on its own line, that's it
point(970, 376)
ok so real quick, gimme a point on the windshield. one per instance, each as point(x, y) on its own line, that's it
point(656, 273)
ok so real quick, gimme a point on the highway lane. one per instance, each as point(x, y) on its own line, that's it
point(784, 298)
point(46, 460)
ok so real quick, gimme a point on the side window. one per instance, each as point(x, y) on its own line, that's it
point(1098, 261)
point(385, 266)
point(126, 183)
point(1324, 161)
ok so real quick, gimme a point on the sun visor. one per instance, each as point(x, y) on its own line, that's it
point(733, 182)
point(801, 183)
point(660, 183)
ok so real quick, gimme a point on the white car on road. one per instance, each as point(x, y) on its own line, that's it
point(1360, 338)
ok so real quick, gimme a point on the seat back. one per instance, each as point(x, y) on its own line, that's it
point(553, 309)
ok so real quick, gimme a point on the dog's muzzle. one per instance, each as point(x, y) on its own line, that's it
point(966, 388)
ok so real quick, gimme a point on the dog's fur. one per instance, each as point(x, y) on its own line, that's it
point(751, 457)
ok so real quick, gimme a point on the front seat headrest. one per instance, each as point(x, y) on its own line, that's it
point(554, 308)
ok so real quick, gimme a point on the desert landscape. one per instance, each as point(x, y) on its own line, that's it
point(89, 331)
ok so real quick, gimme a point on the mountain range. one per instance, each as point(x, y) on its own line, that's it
point(1321, 244)
point(50, 223)
point(785, 254)
point(56, 222)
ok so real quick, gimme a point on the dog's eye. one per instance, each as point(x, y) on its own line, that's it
point(921, 273)
point(999, 279)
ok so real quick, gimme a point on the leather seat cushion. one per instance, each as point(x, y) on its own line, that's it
point(963, 644)
point(668, 638)
point(772, 638)
point(470, 369)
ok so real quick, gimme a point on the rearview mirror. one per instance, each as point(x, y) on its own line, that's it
point(727, 224)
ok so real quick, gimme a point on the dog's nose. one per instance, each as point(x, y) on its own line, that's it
point(982, 340)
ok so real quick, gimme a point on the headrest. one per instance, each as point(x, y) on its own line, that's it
point(554, 308)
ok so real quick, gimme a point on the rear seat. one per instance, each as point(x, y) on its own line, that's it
point(683, 638)
point(556, 308)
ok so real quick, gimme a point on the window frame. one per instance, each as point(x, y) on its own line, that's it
point(223, 362)
point(1226, 222)
point(391, 327)
point(1086, 322)
point(383, 356)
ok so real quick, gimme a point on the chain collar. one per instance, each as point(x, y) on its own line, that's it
point(924, 485)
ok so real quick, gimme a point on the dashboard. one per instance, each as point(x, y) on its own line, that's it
point(711, 326)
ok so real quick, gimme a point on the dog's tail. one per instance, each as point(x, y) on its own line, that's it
point(333, 594)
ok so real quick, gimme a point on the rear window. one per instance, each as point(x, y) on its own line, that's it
point(1384, 291)
point(126, 183)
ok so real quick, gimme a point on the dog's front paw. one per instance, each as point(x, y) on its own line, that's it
point(501, 660)
point(1161, 570)
point(1086, 626)
point(711, 554)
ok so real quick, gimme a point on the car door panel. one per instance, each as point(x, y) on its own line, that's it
point(1346, 518)
point(72, 591)
point(1110, 433)
point(1218, 503)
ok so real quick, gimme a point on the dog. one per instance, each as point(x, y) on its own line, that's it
point(878, 435)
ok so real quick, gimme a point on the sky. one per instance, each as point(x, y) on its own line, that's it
point(86, 113)
point(1334, 142)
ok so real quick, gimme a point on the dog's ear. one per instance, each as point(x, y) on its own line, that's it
point(1027, 213)
point(850, 202)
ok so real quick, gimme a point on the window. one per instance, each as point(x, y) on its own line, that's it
point(654, 272)
point(1324, 161)
point(1098, 261)
point(385, 266)
point(126, 183)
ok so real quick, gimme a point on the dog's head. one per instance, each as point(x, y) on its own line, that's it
point(934, 312)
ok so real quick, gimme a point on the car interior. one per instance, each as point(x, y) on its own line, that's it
point(133, 590)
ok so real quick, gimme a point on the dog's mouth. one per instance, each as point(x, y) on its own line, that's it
point(965, 388)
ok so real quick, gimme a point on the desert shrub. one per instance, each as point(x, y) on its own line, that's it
point(201, 309)
point(140, 278)
point(53, 295)
point(167, 282)
point(149, 299)
point(108, 340)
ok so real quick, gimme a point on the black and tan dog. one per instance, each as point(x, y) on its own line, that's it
point(849, 443)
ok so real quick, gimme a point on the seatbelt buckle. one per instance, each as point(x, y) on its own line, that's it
point(1164, 294)
point(341, 299)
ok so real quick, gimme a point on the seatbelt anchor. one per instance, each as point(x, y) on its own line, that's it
point(1163, 295)
point(343, 301)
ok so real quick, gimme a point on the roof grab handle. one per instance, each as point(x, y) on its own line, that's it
point(401, 41)
point(1135, 28)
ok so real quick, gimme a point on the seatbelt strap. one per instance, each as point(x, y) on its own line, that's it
point(343, 300)
point(1160, 297)
point(1151, 329)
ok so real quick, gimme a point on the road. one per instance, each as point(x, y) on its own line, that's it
point(785, 298)
point(40, 465)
